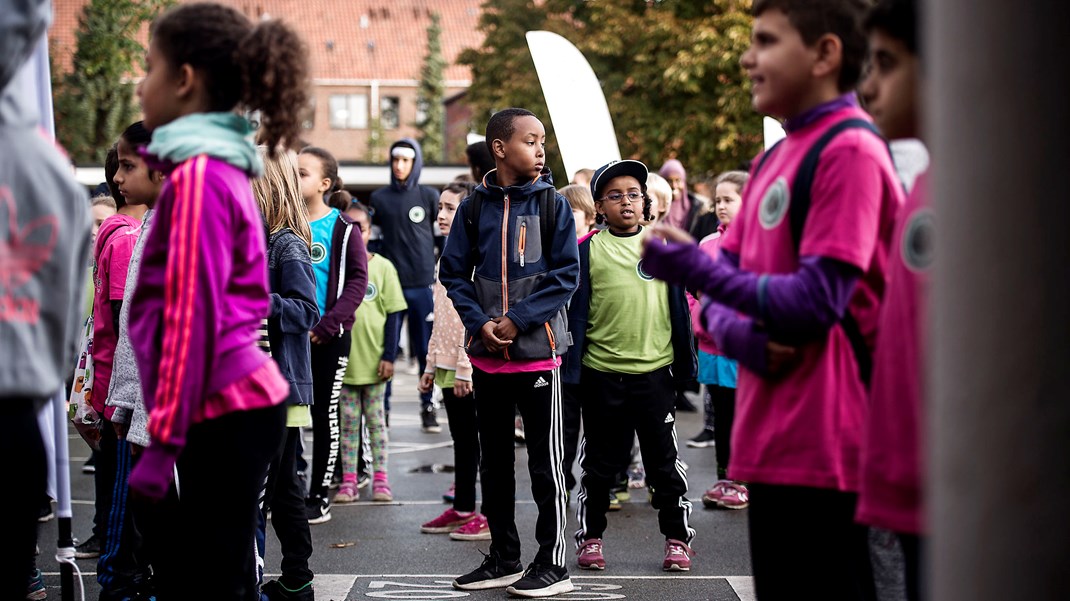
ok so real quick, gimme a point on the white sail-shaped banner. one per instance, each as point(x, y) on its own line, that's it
point(577, 105)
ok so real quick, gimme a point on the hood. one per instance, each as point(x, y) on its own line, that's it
point(110, 225)
point(22, 25)
point(417, 165)
point(490, 187)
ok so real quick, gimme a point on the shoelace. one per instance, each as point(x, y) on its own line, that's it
point(590, 548)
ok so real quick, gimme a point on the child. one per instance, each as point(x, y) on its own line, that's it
point(633, 340)
point(891, 490)
point(371, 365)
point(717, 372)
point(340, 264)
point(214, 397)
point(513, 312)
point(661, 196)
point(120, 571)
point(579, 198)
point(795, 298)
point(102, 206)
point(448, 367)
point(293, 313)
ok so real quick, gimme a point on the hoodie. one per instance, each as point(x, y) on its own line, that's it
point(44, 225)
point(683, 211)
point(405, 213)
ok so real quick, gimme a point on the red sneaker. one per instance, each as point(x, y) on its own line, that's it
point(590, 555)
point(677, 556)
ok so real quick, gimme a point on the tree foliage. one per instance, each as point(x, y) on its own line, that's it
point(669, 70)
point(431, 96)
point(95, 101)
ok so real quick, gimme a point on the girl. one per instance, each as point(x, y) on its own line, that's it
point(374, 344)
point(661, 193)
point(102, 206)
point(579, 198)
point(293, 313)
point(716, 371)
point(215, 400)
point(448, 366)
point(340, 265)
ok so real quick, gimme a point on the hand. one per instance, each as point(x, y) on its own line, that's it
point(461, 388)
point(490, 340)
point(386, 370)
point(426, 382)
point(779, 358)
point(671, 233)
point(506, 329)
point(315, 339)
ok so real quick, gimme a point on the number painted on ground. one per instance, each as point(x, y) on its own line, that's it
point(410, 590)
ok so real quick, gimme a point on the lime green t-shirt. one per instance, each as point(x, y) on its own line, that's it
point(445, 378)
point(382, 298)
point(629, 330)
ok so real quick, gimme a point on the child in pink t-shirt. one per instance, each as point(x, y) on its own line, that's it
point(797, 307)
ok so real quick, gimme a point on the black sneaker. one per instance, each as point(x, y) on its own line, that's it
point(429, 421)
point(703, 440)
point(317, 510)
point(90, 465)
point(46, 513)
point(493, 573)
point(363, 480)
point(89, 549)
point(542, 581)
point(275, 591)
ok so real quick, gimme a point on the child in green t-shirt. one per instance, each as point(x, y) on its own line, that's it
point(373, 347)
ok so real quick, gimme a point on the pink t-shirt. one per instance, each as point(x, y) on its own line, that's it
point(804, 428)
point(115, 244)
point(890, 497)
point(711, 246)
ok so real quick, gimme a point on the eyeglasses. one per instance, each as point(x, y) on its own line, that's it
point(617, 197)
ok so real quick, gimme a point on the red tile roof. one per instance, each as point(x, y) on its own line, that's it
point(348, 39)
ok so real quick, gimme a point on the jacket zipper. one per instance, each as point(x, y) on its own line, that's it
point(505, 264)
point(521, 243)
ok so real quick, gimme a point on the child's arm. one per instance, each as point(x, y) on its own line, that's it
point(356, 283)
point(390, 345)
point(455, 270)
point(561, 280)
point(294, 303)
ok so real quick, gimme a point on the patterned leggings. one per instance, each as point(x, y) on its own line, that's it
point(367, 402)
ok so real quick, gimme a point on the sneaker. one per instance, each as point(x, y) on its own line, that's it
point(275, 591)
point(450, 494)
point(518, 431)
point(736, 496)
point(703, 440)
point(623, 494)
point(46, 512)
point(449, 521)
point(590, 555)
point(636, 477)
point(429, 421)
point(712, 497)
point(677, 556)
point(347, 493)
point(542, 581)
point(35, 587)
point(614, 503)
point(89, 549)
point(381, 491)
point(317, 510)
point(492, 573)
point(477, 529)
point(90, 465)
point(363, 480)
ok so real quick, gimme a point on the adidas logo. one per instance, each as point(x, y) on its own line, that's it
point(541, 382)
point(669, 418)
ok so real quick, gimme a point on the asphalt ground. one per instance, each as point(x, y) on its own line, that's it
point(376, 551)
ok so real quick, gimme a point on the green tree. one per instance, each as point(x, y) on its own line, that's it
point(376, 141)
point(95, 101)
point(669, 70)
point(431, 96)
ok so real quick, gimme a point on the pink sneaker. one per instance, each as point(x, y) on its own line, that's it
point(590, 555)
point(677, 556)
point(381, 488)
point(449, 521)
point(735, 496)
point(347, 493)
point(475, 529)
point(712, 497)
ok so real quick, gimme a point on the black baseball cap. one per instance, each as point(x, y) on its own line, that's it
point(613, 169)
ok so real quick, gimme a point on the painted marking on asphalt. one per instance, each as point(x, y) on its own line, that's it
point(332, 587)
point(743, 587)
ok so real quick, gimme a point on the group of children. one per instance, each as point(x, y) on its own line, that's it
point(813, 289)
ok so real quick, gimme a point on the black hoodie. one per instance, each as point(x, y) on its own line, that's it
point(407, 215)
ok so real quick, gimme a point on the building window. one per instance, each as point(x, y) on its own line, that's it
point(349, 111)
point(389, 113)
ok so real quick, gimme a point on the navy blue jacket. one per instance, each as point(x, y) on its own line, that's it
point(293, 312)
point(684, 362)
point(523, 281)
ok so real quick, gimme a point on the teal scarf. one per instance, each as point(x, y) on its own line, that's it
point(224, 136)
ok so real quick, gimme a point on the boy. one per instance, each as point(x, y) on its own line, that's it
point(512, 308)
point(890, 494)
point(796, 292)
point(633, 342)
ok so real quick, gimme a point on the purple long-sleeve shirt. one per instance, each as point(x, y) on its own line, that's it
point(788, 308)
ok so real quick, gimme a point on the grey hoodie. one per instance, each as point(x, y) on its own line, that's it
point(44, 225)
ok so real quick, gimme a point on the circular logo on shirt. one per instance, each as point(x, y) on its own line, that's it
point(319, 252)
point(371, 292)
point(642, 274)
point(774, 205)
point(917, 245)
point(417, 214)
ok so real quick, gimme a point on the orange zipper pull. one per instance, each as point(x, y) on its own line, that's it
point(523, 241)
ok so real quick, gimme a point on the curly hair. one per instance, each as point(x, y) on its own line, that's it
point(261, 67)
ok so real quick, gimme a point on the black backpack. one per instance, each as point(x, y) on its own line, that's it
point(547, 221)
point(797, 213)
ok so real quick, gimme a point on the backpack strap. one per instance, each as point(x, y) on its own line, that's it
point(547, 219)
point(471, 225)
